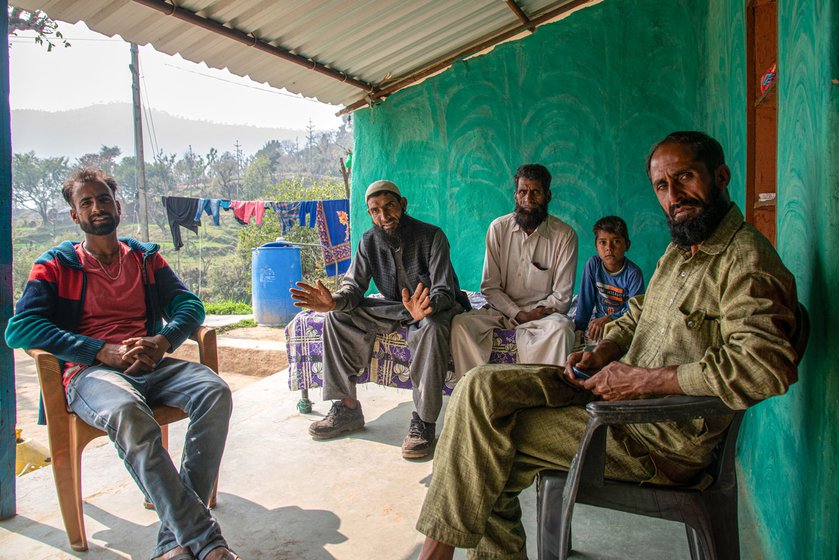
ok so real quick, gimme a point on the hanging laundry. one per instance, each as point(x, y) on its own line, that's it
point(211, 207)
point(308, 208)
point(180, 211)
point(287, 212)
point(333, 223)
point(244, 210)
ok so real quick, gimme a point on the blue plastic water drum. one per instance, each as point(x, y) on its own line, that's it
point(275, 267)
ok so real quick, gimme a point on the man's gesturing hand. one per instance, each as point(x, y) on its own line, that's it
point(419, 304)
point(316, 298)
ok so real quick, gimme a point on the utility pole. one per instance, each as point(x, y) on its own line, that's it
point(140, 163)
point(238, 166)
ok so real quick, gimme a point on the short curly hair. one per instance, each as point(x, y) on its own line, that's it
point(703, 148)
point(614, 225)
point(86, 175)
point(534, 172)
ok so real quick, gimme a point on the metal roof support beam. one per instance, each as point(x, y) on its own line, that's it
point(520, 14)
point(241, 37)
point(445, 61)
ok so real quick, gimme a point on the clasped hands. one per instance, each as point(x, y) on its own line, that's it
point(612, 380)
point(319, 298)
point(134, 355)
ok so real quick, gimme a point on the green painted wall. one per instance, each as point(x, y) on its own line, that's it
point(789, 449)
point(725, 71)
point(586, 97)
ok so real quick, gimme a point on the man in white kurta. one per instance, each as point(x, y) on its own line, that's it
point(528, 280)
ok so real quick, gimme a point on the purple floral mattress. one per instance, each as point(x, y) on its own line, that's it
point(391, 356)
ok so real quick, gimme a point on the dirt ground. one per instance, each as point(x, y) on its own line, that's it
point(258, 333)
point(245, 355)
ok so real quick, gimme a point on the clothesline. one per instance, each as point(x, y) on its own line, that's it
point(331, 217)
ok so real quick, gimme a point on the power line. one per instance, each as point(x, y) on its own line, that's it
point(273, 91)
point(149, 117)
point(150, 127)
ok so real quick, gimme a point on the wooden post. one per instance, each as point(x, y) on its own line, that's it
point(346, 175)
point(8, 401)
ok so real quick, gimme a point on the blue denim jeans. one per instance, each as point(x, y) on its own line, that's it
point(119, 404)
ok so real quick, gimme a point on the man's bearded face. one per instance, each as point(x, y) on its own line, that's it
point(692, 230)
point(386, 210)
point(531, 203)
point(691, 196)
point(95, 209)
point(102, 224)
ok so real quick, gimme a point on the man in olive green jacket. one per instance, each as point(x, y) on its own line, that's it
point(716, 320)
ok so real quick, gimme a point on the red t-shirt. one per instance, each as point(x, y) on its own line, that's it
point(114, 309)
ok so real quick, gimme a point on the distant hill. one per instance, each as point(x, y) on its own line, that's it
point(81, 131)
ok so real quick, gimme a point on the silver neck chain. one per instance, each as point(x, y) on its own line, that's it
point(102, 267)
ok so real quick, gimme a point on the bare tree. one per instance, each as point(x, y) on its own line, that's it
point(224, 176)
point(191, 170)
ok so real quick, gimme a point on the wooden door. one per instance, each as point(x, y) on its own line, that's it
point(762, 115)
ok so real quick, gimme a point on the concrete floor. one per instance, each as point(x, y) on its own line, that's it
point(284, 496)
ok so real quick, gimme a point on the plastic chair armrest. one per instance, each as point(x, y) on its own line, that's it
point(666, 409)
point(207, 346)
point(50, 380)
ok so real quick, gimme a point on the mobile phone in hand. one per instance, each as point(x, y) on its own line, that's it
point(580, 374)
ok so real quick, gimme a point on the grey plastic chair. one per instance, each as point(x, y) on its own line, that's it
point(709, 513)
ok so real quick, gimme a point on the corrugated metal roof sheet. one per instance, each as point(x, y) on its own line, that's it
point(372, 47)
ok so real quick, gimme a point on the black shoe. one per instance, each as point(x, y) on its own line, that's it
point(420, 439)
point(339, 420)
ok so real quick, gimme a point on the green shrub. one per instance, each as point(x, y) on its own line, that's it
point(228, 280)
point(24, 258)
point(243, 324)
point(295, 189)
point(228, 308)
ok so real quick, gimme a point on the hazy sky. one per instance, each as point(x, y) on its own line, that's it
point(95, 70)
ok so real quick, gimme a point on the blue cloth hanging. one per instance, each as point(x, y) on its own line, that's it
point(333, 222)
